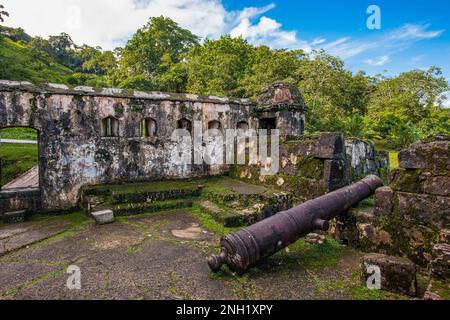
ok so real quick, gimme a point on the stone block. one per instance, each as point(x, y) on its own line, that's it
point(440, 266)
point(314, 238)
point(103, 217)
point(431, 296)
point(364, 216)
point(327, 145)
point(383, 201)
point(14, 216)
point(334, 173)
point(433, 156)
point(439, 185)
point(396, 274)
point(444, 236)
point(372, 237)
point(427, 210)
point(420, 181)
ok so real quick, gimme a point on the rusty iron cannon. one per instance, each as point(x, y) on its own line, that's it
point(245, 248)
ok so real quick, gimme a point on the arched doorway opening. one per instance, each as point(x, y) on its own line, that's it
point(19, 158)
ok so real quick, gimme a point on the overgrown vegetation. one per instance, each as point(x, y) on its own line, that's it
point(16, 160)
point(19, 133)
point(163, 56)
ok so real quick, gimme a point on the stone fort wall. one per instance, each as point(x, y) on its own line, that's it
point(73, 148)
point(77, 146)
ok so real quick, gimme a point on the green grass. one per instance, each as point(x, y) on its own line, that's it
point(355, 290)
point(381, 145)
point(393, 160)
point(19, 63)
point(16, 159)
point(312, 256)
point(156, 186)
point(208, 222)
point(303, 254)
point(18, 133)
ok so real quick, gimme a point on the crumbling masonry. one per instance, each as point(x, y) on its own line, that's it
point(97, 136)
point(90, 136)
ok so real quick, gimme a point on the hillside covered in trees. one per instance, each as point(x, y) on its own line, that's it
point(161, 56)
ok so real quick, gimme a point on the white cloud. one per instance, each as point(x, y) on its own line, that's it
point(390, 42)
point(380, 62)
point(110, 23)
point(415, 32)
point(318, 41)
point(346, 48)
point(268, 31)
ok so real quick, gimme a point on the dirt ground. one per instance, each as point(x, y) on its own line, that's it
point(162, 256)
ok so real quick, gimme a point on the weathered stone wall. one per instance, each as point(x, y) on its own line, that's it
point(15, 200)
point(416, 207)
point(363, 160)
point(412, 215)
point(310, 166)
point(73, 152)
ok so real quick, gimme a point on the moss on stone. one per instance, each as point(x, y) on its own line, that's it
point(406, 180)
point(310, 167)
point(209, 223)
point(136, 105)
point(119, 110)
point(154, 207)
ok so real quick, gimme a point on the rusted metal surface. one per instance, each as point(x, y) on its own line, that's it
point(245, 248)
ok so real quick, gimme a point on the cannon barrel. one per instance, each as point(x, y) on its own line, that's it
point(245, 248)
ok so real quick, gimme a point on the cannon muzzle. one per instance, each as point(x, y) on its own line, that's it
point(245, 248)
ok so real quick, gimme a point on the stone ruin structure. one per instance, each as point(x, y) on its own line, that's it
point(412, 215)
point(91, 136)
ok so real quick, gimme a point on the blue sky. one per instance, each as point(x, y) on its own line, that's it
point(427, 22)
point(414, 34)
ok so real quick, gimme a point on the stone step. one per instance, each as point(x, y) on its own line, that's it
point(238, 195)
point(126, 209)
point(14, 216)
point(228, 217)
point(103, 217)
point(236, 217)
point(101, 195)
point(156, 196)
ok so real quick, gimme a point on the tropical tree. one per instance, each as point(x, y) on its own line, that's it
point(404, 108)
point(155, 49)
point(3, 13)
point(217, 67)
point(266, 66)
